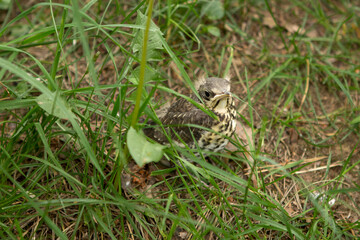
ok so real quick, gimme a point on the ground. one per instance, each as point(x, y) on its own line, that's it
point(294, 67)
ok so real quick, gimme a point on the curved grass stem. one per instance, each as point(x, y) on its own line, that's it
point(142, 66)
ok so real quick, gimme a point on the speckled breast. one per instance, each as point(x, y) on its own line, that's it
point(217, 139)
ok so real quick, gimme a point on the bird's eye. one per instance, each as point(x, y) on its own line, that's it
point(207, 94)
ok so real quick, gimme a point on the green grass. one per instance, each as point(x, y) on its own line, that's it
point(69, 75)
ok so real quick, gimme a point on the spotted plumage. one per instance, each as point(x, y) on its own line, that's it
point(213, 134)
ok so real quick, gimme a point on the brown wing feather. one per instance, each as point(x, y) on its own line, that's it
point(182, 105)
point(179, 114)
point(176, 122)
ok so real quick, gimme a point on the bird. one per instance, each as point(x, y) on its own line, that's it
point(180, 118)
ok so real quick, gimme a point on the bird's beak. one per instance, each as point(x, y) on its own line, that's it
point(222, 95)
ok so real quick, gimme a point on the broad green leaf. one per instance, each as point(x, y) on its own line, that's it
point(213, 30)
point(5, 4)
point(154, 41)
point(214, 10)
point(150, 74)
point(50, 103)
point(355, 120)
point(141, 150)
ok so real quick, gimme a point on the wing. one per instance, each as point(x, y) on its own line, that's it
point(180, 113)
point(175, 126)
point(182, 105)
point(177, 122)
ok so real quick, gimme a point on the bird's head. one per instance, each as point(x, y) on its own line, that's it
point(215, 93)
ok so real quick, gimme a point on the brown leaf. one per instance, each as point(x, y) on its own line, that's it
point(312, 33)
point(292, 28)
point(268, 20)
point(289, 210)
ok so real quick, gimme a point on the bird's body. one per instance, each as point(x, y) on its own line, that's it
point(180, 118)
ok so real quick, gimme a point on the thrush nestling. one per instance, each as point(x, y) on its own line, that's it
point(216, 96)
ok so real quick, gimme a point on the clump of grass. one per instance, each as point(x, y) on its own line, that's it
point(69, 79)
